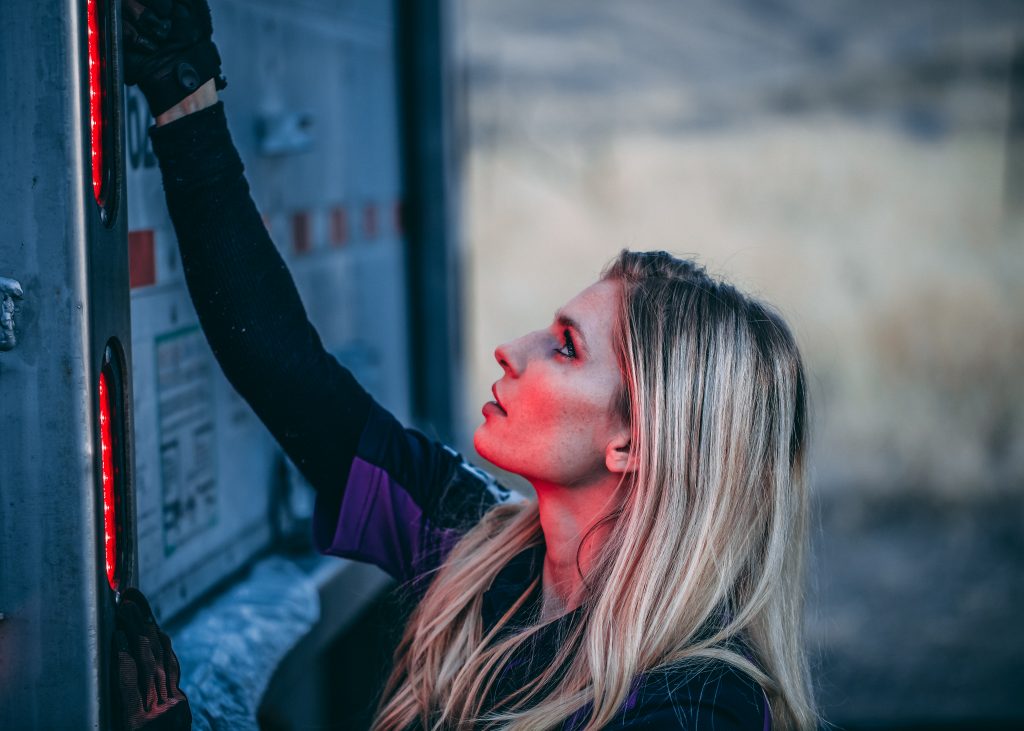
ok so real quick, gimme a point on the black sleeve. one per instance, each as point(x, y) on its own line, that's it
point(249, 307)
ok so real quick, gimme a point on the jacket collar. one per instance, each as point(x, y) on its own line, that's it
point(510, 582)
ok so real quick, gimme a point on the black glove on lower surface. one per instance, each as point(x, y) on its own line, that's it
point(169, 50)
point(145, 672)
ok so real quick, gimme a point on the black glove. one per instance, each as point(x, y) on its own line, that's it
point(169, 50)
point(145, 672)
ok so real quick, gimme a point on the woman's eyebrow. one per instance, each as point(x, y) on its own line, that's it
point(565, 321)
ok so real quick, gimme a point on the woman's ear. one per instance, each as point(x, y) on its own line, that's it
point(619, 455)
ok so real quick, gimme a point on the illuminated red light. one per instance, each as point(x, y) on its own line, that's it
point(95, 98)
point(107, 458)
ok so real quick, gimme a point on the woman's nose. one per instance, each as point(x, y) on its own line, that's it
point(505, 354)
point(513, 356)
point(504, 358)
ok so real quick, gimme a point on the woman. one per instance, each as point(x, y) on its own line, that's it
point(661, 419)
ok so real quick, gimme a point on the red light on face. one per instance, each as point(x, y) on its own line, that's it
point(107, 458)
point(95, 99)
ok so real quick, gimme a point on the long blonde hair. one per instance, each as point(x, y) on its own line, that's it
point(709, 531)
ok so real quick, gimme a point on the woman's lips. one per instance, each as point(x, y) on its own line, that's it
point(492, 408)
point(497, 401)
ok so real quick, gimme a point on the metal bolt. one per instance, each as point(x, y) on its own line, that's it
point(10, 290)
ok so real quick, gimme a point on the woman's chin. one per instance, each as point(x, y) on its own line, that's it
point(480, 441)
point(484, 446)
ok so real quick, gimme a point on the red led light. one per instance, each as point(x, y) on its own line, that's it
point(95, 98)
point(107, 458)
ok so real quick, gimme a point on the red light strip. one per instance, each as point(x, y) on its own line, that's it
point(95, 96)
point(107, 454)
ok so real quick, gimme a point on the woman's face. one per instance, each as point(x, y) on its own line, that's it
point(554, 420)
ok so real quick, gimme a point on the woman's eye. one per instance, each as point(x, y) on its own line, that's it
point(569, 349)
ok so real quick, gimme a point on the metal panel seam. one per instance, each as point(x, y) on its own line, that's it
point(77, 250)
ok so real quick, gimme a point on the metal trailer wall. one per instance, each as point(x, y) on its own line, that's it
point(328, 127)
point(312, 106)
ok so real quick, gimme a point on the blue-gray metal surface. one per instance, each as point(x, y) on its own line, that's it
point(73, 273)
point(311, 102)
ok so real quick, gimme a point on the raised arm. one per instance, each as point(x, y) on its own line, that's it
point(247, 303)
point(386, 494)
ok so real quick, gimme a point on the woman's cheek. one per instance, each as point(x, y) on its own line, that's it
point(558, 420)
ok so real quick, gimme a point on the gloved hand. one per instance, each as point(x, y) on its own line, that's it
point(145, 672)
point(169, 50)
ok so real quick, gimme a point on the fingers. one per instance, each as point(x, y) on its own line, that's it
point(158, 677)
point(134, 624)
point(128, 678)
point(172, 667)
point(160, 7)
point(153, 22)
point(149, 668)
point(139, 51)
point(159, 667)
point(136, 42)
point(156, 8)
point(136, 597)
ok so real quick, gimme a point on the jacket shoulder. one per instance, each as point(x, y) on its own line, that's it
point(697, 694)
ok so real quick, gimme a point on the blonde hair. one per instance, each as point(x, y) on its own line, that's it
point(706, 545)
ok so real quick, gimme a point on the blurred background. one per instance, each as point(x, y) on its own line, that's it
point(861, 166)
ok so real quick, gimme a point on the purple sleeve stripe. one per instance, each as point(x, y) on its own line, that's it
point(378, 522)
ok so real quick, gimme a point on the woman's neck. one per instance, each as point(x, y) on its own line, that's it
point(566, 514)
